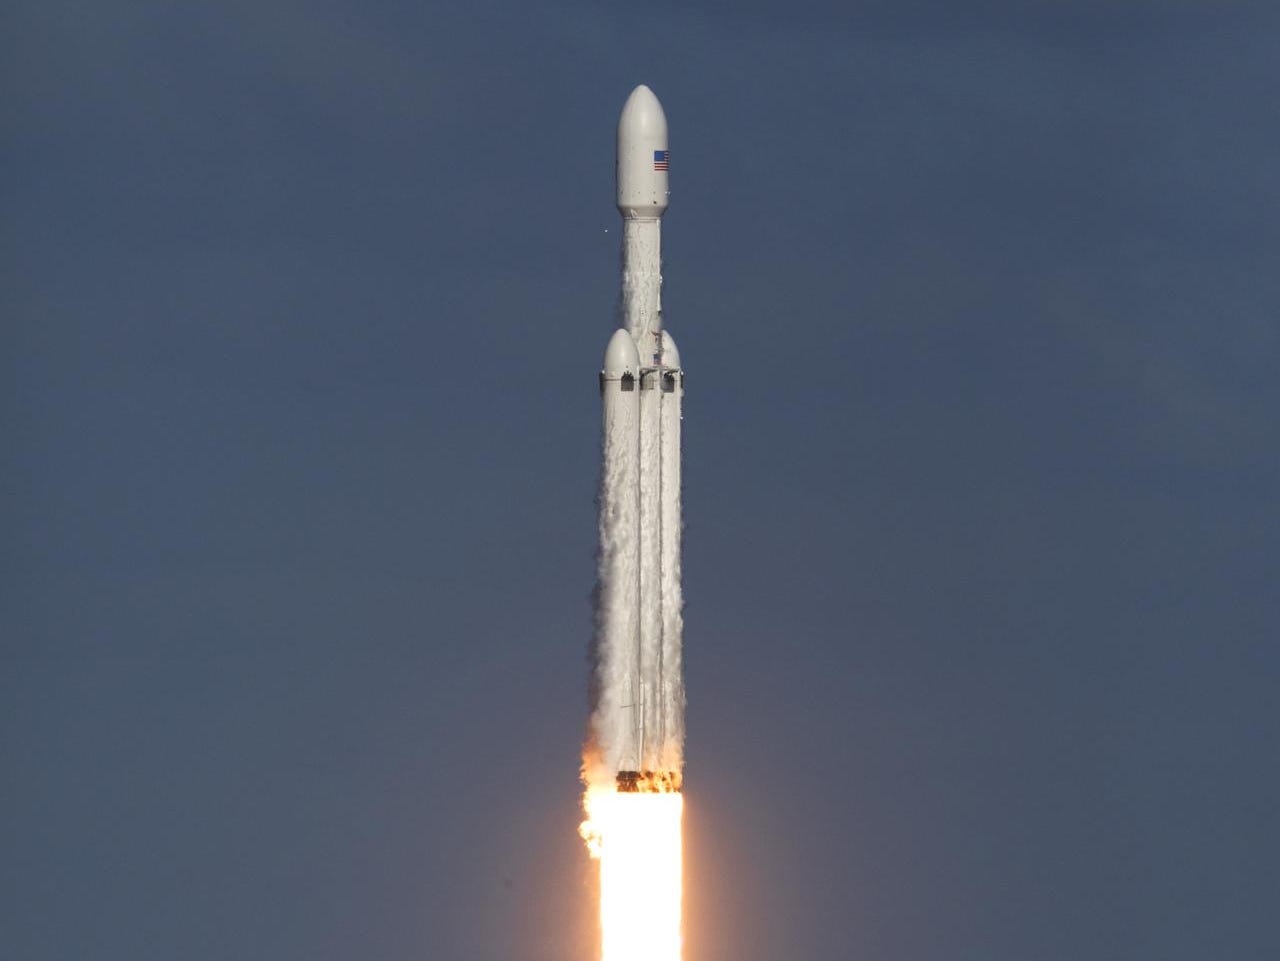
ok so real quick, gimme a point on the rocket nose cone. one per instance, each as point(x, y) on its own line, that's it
point(642, 115)
point(621, 354)
point(643, 156)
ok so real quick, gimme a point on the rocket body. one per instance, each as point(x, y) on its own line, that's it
point(638, 725)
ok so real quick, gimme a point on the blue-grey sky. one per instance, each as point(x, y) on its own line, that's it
point(303, 305)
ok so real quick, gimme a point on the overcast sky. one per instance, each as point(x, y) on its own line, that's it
point(303, 305)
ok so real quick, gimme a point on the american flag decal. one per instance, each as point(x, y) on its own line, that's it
point(661, 159)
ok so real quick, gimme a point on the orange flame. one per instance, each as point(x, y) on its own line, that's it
point(636, 838)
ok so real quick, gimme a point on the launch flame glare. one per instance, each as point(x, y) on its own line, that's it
point(636, 839)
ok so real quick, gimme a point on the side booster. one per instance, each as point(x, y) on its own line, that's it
point(642, 390)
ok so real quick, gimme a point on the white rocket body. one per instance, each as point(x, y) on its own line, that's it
point(639, 720)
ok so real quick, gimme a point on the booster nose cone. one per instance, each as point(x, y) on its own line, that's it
point(620, 356)
point(643, 156)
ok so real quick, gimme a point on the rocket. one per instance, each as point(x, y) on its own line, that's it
point(640, 716)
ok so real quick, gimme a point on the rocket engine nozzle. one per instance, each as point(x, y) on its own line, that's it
point(648, 782)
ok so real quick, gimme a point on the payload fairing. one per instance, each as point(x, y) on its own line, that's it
point(638, 725)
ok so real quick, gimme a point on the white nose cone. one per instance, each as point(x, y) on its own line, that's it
point(643, 156)
point(620, 356)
